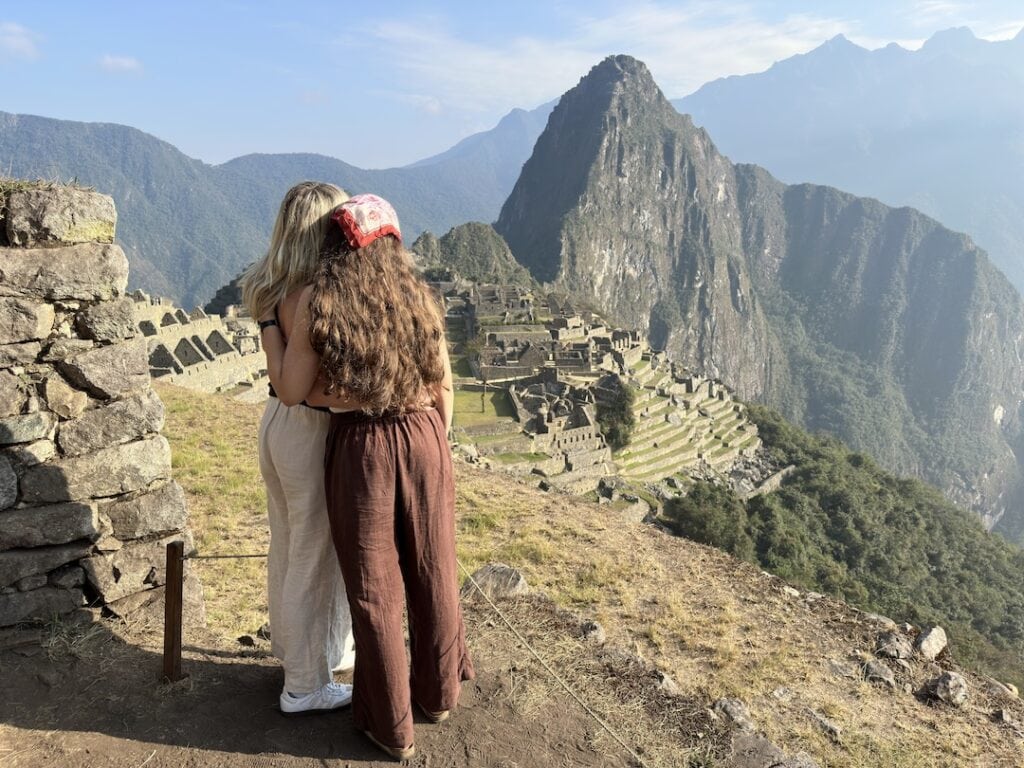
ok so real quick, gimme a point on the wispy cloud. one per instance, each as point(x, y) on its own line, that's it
point(1005, 30)
point(684, 48)
point(429, 104)
point(120, 64)
point(932, 15)
point(17, 42)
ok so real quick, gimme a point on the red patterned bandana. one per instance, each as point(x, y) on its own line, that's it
point(364, 218)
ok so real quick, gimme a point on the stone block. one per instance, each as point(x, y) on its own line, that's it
point(136, 567)
point(12, 394)
point(108, 472)
point(8, 483)
point(26, 428)
point(108, 321)
point(31, 582)
point(931, 642)
point(90, 272)
point(19, 354)
point(157, 511)
point(67, 577)
point(119, 422)
point(59, 214)
point(43, 526)
point(497, 580)
point(62, 349)
point(150, 603)
point(110, 372)
point(30, 454)
point(39, 604)
point(64, 400)
point(24, 320)
point(16, 564)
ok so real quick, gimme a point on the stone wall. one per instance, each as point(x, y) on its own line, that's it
point(87, 503)
point(199, 351)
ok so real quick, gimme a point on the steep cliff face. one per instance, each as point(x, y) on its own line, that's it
point(874, 323)
point(623, 200)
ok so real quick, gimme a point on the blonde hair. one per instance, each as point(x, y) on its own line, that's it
point(376, 325)
point(291, 261)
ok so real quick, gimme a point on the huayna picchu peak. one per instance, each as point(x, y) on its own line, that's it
point(873, 323)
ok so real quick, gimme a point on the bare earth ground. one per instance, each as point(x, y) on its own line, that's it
point(717, 627)
point(92, 699)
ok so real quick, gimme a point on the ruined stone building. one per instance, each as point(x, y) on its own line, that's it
point(205, 352)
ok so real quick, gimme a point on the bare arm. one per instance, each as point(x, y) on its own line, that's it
point(318, 398)
point(293, 368)
point(444, 394)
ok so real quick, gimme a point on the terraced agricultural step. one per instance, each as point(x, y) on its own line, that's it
point(716, 406)
point(664, 467)
point(655, 409)
point(680, 443)
point(723, 459)
point(731, 433)
point(667, 434)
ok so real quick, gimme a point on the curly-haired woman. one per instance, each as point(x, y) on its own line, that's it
point(374, 332)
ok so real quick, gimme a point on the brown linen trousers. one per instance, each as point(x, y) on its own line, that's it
point(391, 502)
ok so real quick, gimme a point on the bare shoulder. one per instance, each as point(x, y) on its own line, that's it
point(290, 304)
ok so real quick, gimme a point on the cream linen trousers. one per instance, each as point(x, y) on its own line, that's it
point(310, 625)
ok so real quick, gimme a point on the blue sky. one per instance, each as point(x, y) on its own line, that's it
point(385, 84)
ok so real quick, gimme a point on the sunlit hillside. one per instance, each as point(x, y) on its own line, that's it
point(715, 626)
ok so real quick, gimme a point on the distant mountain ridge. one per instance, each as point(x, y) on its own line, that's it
point(189, 228)
point(875, 323)
point(940, 129)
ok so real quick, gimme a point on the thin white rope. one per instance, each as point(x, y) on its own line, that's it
point(550, 671)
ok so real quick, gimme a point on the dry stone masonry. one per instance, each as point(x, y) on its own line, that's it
point(87, 503)
point(200, 351)
point(557, 362)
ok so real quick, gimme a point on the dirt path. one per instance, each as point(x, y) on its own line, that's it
point(89, 697)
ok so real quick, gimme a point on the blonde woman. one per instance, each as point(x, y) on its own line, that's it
point(311, 628)
point(370, 334)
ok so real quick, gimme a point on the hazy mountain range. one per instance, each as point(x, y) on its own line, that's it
point(877, 324)
point(189, 228)
point(874, 323)
point(940, 129)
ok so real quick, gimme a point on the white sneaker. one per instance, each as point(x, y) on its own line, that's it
point(331, 696)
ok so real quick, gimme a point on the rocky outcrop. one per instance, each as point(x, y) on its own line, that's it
point(873, 323)
point(625, 202)
point(87, 502)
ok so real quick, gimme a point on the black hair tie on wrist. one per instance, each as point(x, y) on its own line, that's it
point(264, 324)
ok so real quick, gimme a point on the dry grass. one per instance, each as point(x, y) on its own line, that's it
point(214, 458)
point(716, 626)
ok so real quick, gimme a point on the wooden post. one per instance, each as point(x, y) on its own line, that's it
point(173, 586)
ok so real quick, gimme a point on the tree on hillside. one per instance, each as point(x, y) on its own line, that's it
point(615, 415)
point(711, 514)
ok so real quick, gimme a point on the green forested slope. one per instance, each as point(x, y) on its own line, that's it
point(843, 525)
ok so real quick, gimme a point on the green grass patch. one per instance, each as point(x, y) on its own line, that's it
point(516, 458)
point(461, 367)
point(473, 408)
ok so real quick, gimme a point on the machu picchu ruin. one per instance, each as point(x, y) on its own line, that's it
point(205, 352)
point(550, 364)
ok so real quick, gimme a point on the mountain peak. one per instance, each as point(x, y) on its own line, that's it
point(614, 79)
point(950, 40)
point(840, 45)
point(622, 64)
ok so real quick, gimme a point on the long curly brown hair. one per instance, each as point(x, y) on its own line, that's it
point(375, 324)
